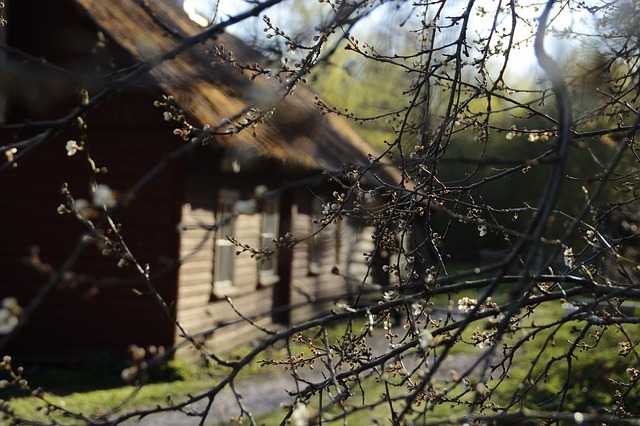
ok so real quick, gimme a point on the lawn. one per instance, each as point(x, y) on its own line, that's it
point(538, 378)
point(95, 389)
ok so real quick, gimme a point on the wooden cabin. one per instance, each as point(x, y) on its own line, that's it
point(95, 307)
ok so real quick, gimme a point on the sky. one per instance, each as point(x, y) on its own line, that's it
point(201, 10)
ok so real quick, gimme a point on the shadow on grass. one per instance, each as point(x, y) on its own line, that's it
point(98, 371)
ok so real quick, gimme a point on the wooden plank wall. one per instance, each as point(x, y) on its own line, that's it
point(322, 282)
point(361, 242)
point(199, 312)
point(247, 229)
point(200, 309)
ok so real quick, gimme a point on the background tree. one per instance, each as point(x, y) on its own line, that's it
point(541, 168)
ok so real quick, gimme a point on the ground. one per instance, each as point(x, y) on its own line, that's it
point(263, 394)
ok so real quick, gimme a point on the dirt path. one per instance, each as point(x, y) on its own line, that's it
point(264, 394)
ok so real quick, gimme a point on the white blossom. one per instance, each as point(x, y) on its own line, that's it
point(103, 196)
point(72, 147)
point(369, 197)
point(425, 339)
point(482, 230)
point(417, 308)
point(9, 314)
point(300, 415)
point(466, 304)
point(569, 257)
point(10, 153)
point(8, 321)
point(388, 295)
point(10, 303)
point(129, 373)
point(83, 207)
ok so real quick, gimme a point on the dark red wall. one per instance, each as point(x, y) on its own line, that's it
point(76, 321)
point(128, 136)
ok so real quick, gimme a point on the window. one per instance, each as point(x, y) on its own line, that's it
point(270, 219)
point(315, 243)
point(224, 250)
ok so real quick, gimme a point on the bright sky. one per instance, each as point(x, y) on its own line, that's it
point(198, 9)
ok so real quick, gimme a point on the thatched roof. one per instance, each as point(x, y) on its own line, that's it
point(211, 89)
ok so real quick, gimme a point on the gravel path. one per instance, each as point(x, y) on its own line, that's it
point(258, 397)
point(267, 393)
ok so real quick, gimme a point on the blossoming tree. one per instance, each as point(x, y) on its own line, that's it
point(508, 246)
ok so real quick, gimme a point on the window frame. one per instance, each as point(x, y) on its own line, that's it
point(269, 229)
point(315, 239)
point(223, 249)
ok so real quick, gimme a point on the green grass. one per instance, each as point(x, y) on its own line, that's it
point(95, 404)
point(597, 372)
point(95, 393)
point(364, 407)
point(96, 388)
point(592, 375)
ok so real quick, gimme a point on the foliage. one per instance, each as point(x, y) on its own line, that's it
point(538, 173)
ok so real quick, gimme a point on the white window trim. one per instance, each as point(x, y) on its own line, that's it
point(224, 286)
point(315, 241)
point(268, 271)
